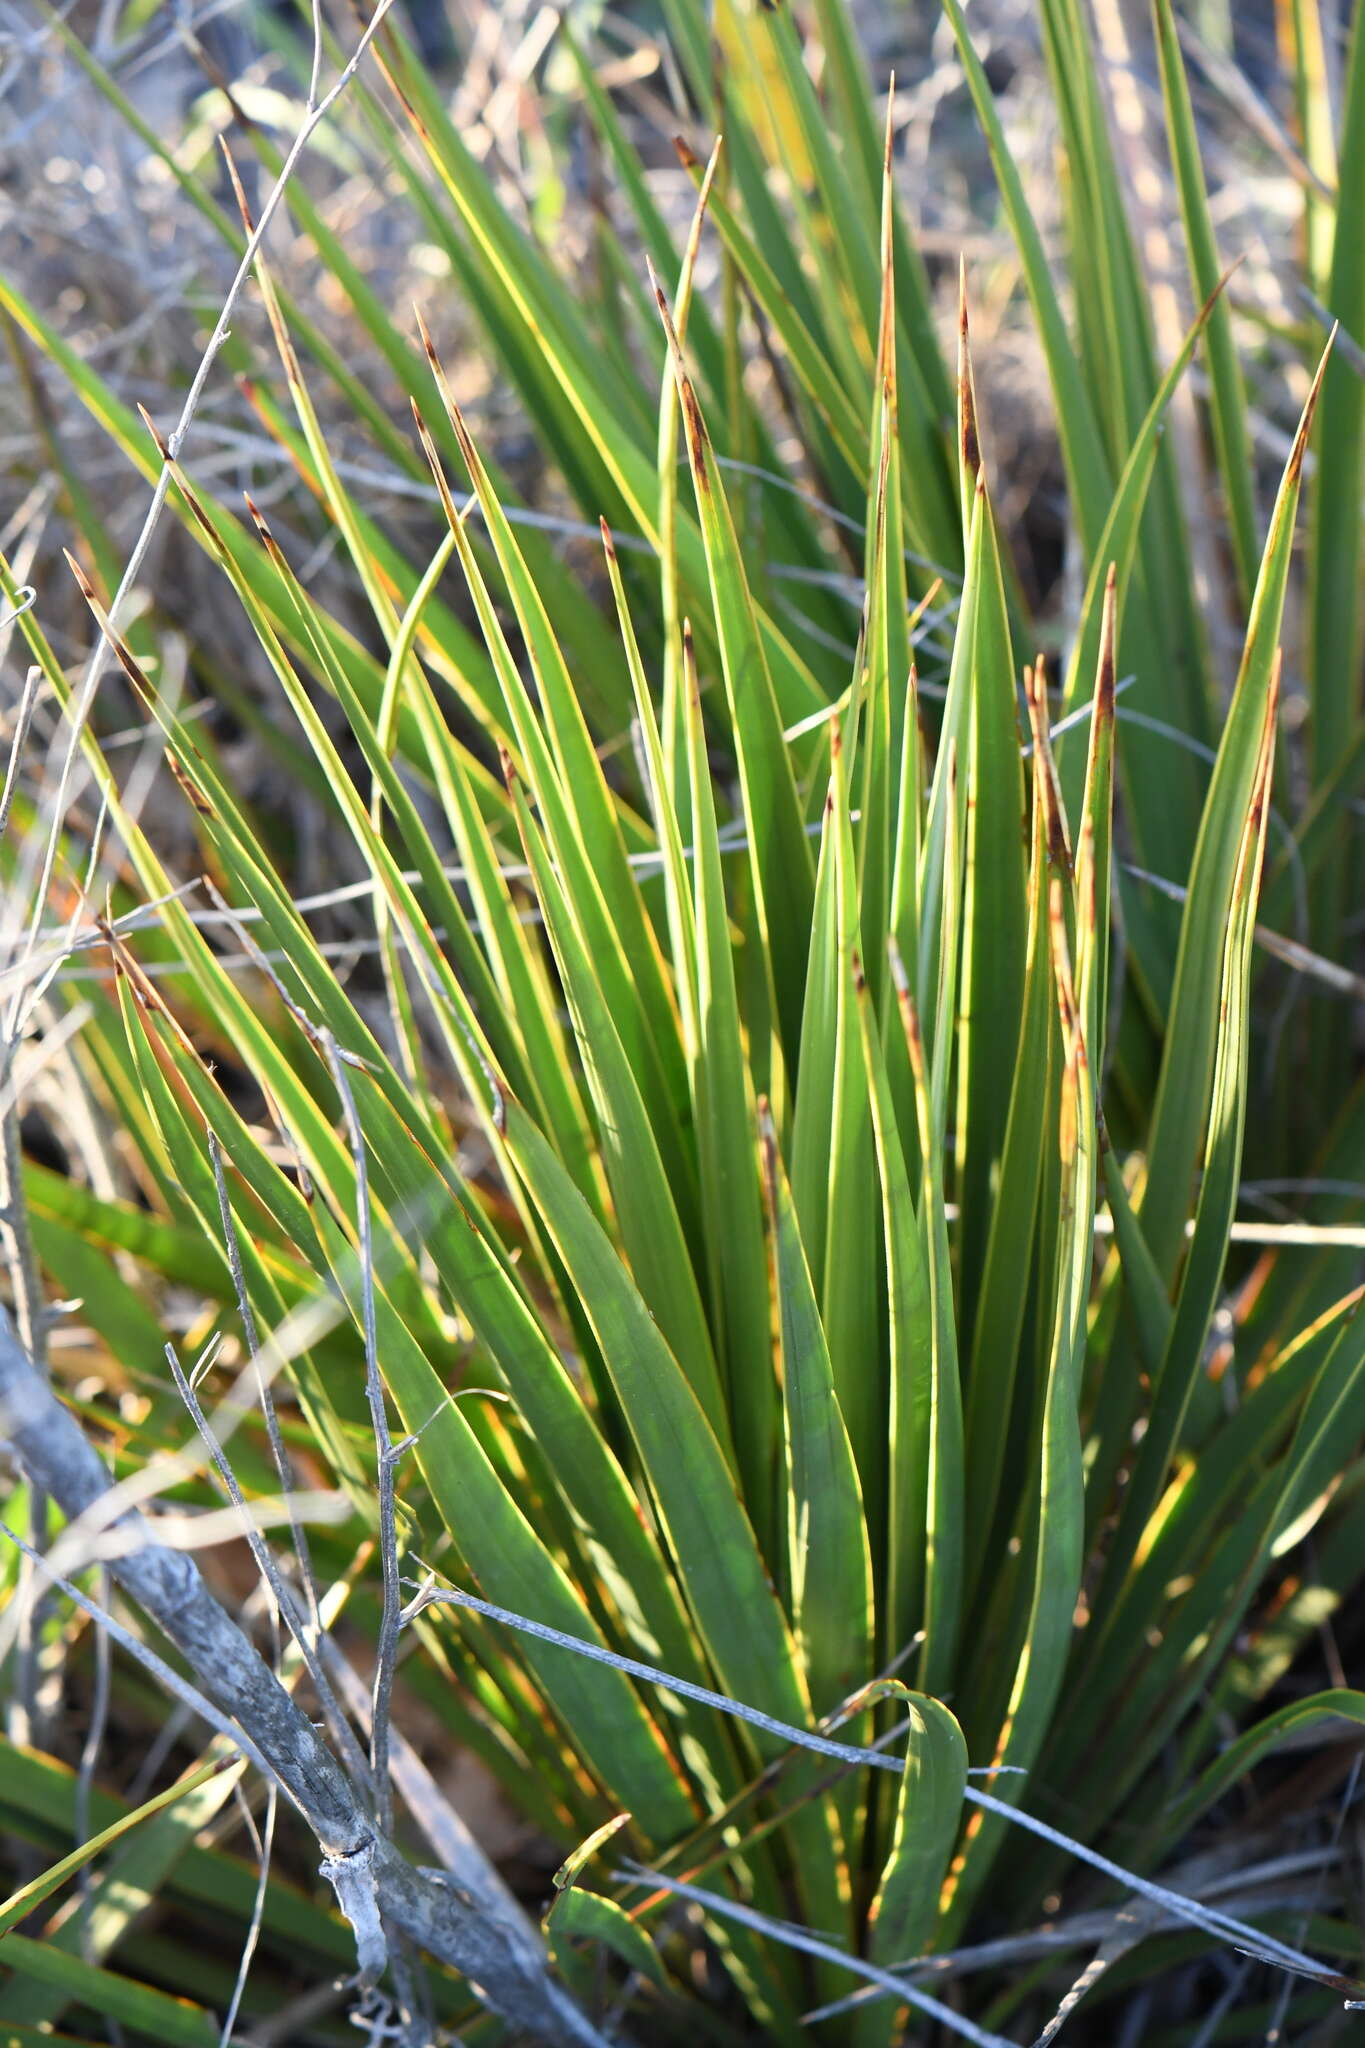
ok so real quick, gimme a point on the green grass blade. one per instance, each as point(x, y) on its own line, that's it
point(1178, 1114)
point(724, 1109)
point(911, 1357)
point(1203, 1270)
point(828, 1559)
point(1231, 437)
point(151, 2013)
point(1058, 1511)
point(1335, 624)
point(643, 1192)
point(22, 1902)
point(994, 914)
point(943, 1530)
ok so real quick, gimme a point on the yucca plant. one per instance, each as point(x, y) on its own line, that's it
point(749, 1259)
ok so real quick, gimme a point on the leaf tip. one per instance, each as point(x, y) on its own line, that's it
point(158, 438)
point(1294, 467)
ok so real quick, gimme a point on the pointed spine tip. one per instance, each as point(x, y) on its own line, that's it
point(1294, 467)
point(159, 440)
point(238, 190)
point(87, 588)
point(261, 525)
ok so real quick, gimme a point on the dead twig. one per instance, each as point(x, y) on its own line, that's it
point(359, 1861)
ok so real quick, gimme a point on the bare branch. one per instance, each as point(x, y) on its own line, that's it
point(362, 1865)
point(302, 1632)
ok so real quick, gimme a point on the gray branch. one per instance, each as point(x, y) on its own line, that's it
point(373, 1881)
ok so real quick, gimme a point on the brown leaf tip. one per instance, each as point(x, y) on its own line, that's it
point(162, 445)
point(87, 587)
point(238, 189)
point(259, 519)
point(1294, 466)
point(187, 783)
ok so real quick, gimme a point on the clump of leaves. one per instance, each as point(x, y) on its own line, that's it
point(796, 1258)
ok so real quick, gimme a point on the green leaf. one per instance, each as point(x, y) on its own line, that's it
point(915, 1394)
point(722, 1094)
point(1054, 1519)
point(1337, 614)
point(828, 1559)
point(994, 908)
point(1203, 1270)
point(721, 1573)
point(161, 2018)
point(22, 1902)
point(1179, 1112)
point(1339, 1706)
point(904, 1914)
point(577, 1915)
point(943, 1534)
point(644, 1192)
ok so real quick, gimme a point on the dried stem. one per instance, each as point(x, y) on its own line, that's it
point(285, 1603)
point(360, 1862)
